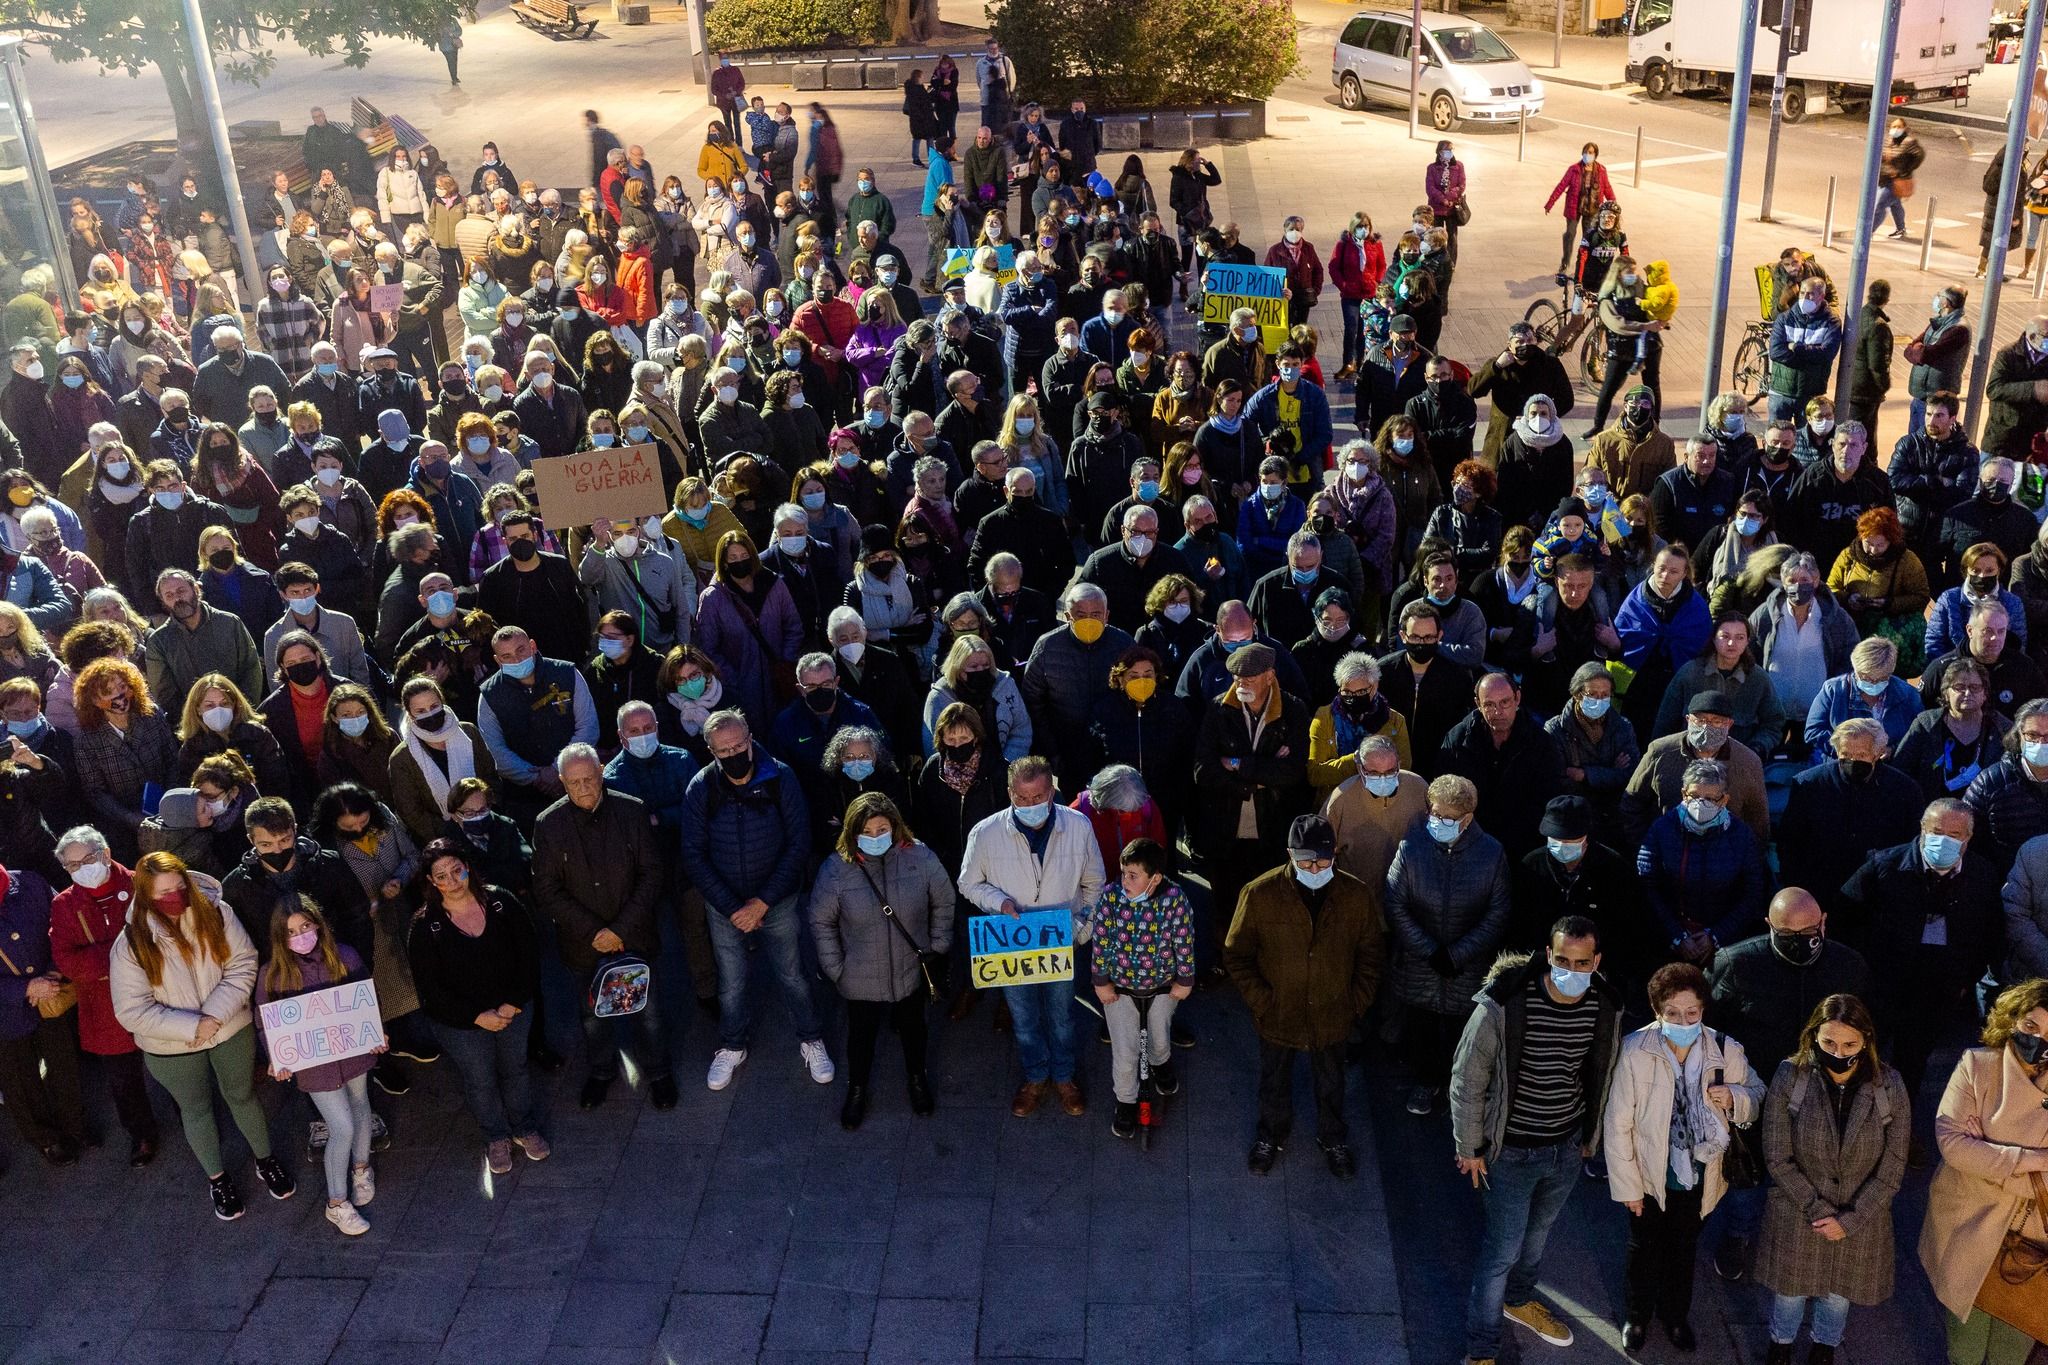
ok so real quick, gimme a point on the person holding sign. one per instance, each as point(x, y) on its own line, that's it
point(1037, 856)
point(305, 958)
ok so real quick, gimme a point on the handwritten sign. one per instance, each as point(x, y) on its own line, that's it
point(619, 483)
point(330, 1025)
point(387, 298)
point(1227, 288)
point(960, 263)
point(1035, 948)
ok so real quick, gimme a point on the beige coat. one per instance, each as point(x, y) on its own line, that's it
point(1369, 828)
point(165, 1017)
point(1636, 1129)
point(1990, 1116)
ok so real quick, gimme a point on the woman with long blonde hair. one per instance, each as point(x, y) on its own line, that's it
point(181, 977)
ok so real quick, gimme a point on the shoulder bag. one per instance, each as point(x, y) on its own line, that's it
point(1742, 1165)
point(55, 1006)
point(933, 965)
point(2016, 1290)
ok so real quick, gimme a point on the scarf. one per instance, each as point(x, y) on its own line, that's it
point(695, 713)
point(1697, 1133)
point(958, 777)
point(1533, 440)
point(884, 604)
point(120, 494)
point(1351, 733)
point(461, 758)
point(1516, 596)
point(1730, 556)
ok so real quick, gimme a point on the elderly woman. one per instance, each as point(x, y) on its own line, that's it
point(1702, 870)
point(1447, 914)
point(969, 674)
point(856, 760)
point(881, 915)
point(1535, 468)
point(1994, 1150)
point(1120, 808)
point(1597, 741)
point(1837, 1122)
point(1357, 713)
point(1872, 689)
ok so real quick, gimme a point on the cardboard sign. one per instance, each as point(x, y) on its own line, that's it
point(620, 483)
point(960, 263)
point(330, 1025)
point(1227, 288)
point(1035, 948)
point(387, 298)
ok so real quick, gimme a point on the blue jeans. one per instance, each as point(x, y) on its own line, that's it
point(777, 935)
point(1785, 406)
point(1916, 416)
point(495, 1078)
point(1527, 1189)
point(604, 1039)
point(1043, 1019)
point(1830, 1318)
point(1887, 202)
point(346, 1109)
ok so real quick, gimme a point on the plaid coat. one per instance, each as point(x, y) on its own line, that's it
point(1816, 1173)
point(288, 327)
point(112, 768)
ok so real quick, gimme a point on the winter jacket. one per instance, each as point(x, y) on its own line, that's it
point(1307, 978)
point(2025, 901)
point(1714, 881)
point(1231, 769)
point(1945, 346)
point(1802, 352)
point(1976, 520)
point(1654, 786)
point(255, 893)
point(1838, 633)
point(1641, 1094)
point(858, 949)
point(1511, 386)
point(2011, 808)
point(165, 1017)
point(1453, 897)
point(998, 865)
point(1262, 412)
point(1515, 779)
point(1764, 1001)
point(1849, 1172)
point(598, 869)
point(748, 841)
point(1490, 1053)
point(1840, 699)
point(83, 927)
point(2015, 412)
point(1933, 476)
point(728, 631)
point(1948, 625)
point(1571, 185)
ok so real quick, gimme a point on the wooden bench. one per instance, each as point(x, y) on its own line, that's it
point(556, 18)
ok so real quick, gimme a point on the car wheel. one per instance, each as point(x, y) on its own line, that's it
point(1443, 112)
point(1795, 103)
point(1350, 93)
point(1657, 82)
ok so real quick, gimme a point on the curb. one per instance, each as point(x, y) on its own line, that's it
point(1581, 82)
point(1960, 117)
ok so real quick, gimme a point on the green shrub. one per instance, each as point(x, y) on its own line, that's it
point(773, 25)
point(1117, 54)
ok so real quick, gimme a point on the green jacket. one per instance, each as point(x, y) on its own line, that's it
point(174, 658)
point(1306, 981)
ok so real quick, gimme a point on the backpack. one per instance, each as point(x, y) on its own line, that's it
point(1797, 1098)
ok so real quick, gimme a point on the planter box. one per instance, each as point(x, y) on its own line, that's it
point(628, 12)
point(1123, 134)
point(804, 76)
point(843, 75)
point(1172, 132)
point(883, 75)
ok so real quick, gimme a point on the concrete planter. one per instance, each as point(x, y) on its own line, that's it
point(1176, 129)
point(848, 68)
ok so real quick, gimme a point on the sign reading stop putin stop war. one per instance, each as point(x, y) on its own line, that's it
point(1227, 288)
point(621, 483)
point(1033, 948)
point(330, 1025)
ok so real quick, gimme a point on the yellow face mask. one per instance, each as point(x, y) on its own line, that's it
point(21, 497)
point(1086, 629)
point(1140, 690)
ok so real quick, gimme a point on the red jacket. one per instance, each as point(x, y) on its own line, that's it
point(83, 927)
point(831, 325)
point(610, 186)
point(1572, 181)
point(1304, 269)
point(1115, 828)
point(1357, 271)
point(607, 304)
point(636, 281)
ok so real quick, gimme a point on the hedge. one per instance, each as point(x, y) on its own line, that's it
point(1127, 54)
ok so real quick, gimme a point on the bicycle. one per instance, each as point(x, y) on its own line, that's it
point(1752, 360)
point(1566, 320)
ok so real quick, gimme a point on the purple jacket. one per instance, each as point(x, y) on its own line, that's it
point(1444, 186)
point(1369, 519)
point(25, 939)
point(726, 631)
point(327, 1075)
point(869, 351)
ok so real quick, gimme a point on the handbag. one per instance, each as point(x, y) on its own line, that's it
point(1902, 188)
point(1461, 212)
point(1742, 1165)
point(621, 985)
point(2016, 1291)
point(933, 965)
point(54, 1006)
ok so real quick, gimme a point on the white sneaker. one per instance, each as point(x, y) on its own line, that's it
point(362, 1186)
point(818, 1060)
point(347, 1220)
point(724, 1062)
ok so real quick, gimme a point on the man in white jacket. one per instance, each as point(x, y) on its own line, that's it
point(1037, 855)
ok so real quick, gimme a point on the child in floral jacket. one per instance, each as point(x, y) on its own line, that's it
point(1145, 944)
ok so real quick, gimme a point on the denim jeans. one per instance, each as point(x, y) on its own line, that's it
point(1043, 1019)
point(1527, 1189)
point(1830, 1318)
point(495, 1079)
point(1785, 406)
point(1354, 330)
point(1887, 202)
point(777, 935)
point(1916, 416)
point(604, 1039)
point(347, 1112)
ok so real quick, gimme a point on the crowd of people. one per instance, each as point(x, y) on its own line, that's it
point(1668, 796)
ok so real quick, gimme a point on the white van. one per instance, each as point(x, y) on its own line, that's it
point(1468, 72)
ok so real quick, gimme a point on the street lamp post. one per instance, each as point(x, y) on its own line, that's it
point(217, 120)
point(1731, 200)
point(1741, 95)
point(1999, 226)
point(1866, 212)
point(1415, 74)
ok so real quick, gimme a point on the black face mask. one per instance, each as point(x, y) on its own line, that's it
point(1836, 1066)
point(821, 700)
point(278, 862)
point(1994, 492)
point(2030, 1048)
point(1801, 950)
point(978, 684)
point(741, 569)
point(737, 766)
point(1858, 769)
point(958, 753)
point(882, 569)
point(431, 722)
point(1421, 651)
point(1322, 525)
point(1207, 533)
point(1982, 585)
point(1357, 705)
point(305, 673)
point(222, 560)
point(522, 550)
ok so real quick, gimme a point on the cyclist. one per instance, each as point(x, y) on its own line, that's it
point(1599, 249)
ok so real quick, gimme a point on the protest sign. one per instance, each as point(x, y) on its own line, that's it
point(960, 262)
point(330, 1025)
point(620, 483)
point(1227, 288)
point(387, 298)
point(1033, 949)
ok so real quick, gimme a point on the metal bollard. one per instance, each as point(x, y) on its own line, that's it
point(1927, 236)
point(1522, 135)
point(2040, 273)
point(1637, 183)
point(1827, 218)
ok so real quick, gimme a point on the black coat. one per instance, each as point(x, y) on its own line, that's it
point(1831, 824)
point(1017, 623)
point(1032, 532)
point(1763, 1001)
point(1602, 888)
point(1515, 779)
point(1443, 699)
point(1127, 581)
point(1275, 781)
point(253, 892)
point(1893, 895)
point(1156, 739)
point(1285, 611)
point(2011, 809)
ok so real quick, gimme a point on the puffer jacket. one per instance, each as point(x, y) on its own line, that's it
point(1273, 774)
point(1490, 1051)
point(1306, 979)
point(2025, 899)
point(1453, 897)
point(743, 842)
point(1060, 683)
point(1715, 881)
point(998, 865)
point(2011, 808)
point(165, 1017)
point(1636, 1131)
point(862, 953)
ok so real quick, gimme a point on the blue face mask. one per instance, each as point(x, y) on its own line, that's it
point(1749, 526)
point(1314, 881)
point(643, 746)
point(74, 381)
point(876, 419)
point(1232, 646)
point(1937, 850)
point(1033, 817)
point(2036, 754)
point(875, 845)
point(1592, 708)
point(610, 648)
point(698, 517)
point(326, 370)
point(1443, 601)
point(441, 603)
point(478, 444)
point(602, 439)
point(859, 769)
point(303, 606)
point(24, 728)
point(521, 670)
point(171, 502)
point(353, 726)
point(1872, 689)
point(1566, 850)
point(1383, 784)
point(1303, 576)
point(1148, 489)
point(1681, 1035)
point(1443, 830)
point(1570, 985)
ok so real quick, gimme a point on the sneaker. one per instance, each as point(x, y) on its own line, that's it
point(1343, 1164)
point(1421, 1099)
point(227, 1200)
point(1538, 1318)
point(316, 1139)
point(1124, 1123)
point(1731, 1258)
point(346, 1220)
point(1165, 1079)
point(499, 1155)
point(535, 1146)
point(380, 1136)
point(817, 1060)
point(724, 1062)
point(362, 1186)
point(276, 1178)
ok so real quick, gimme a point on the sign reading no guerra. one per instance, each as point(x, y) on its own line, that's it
point(1035, 948)
point(330, 1025)
point(1227, 288)
point(621, 483)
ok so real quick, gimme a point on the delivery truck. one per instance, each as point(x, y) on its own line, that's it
point(1689, 45)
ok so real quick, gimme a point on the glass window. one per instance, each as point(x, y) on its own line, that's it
point(1355, 31)
point(1650, 14)
point(1464, 46)
point(1390, 39)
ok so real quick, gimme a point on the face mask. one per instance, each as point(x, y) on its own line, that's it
point(74, 381)
point(1940, 851)
point(1272, 492)
point(1033, 817)
point(519, 670)
point(2030, 1048)
point(115, 469)
point(887, 277)
point(1702, 812)
point(1421, 651)
point(218, 718)
point(1823, 425)
point(304, 606)
point(728, 395)
point(218, 807)
point(1404, 445)
point(222, 560)
point(1566, 850)
point(1981, 585)
point(874, 845)
point(1289, 373)
point(602, 440)
point(1383, 784)
point(1140, 546)
point(1571, 985)
point(304, 942)
point(1444, 601)
point(432, 721)
point(1809, 306)
point(137, 326)
point(1314, 881)
point(610, 648)
point(1836, 1066)
point(792, 545)
point(353, 726)
point(1800, 593)
point(169, 501)
point(327, 369)
point(1086, 629)
point(1679, 1035)
point(1749, 526)
point(1444, 830)
point(1872, 689)
point(92, 875)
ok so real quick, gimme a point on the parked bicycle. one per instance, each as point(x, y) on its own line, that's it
point(1569, 320)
